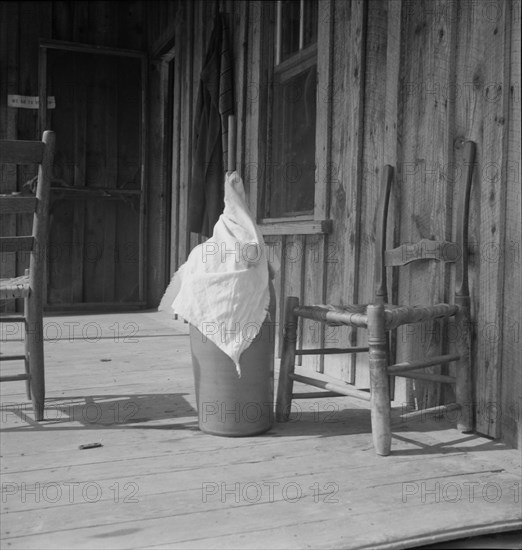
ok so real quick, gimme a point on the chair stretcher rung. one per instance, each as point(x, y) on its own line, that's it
point(342, 389)
point(404, 315)
point(329, 351)
point(12, 357)
point(336, 317)
point(14, 377)
point(439, 409)
point(443, 379)
point(12, 318)
point(316, 395)
point(412, 365)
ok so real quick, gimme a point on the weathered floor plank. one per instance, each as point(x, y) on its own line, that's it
point(158, 482)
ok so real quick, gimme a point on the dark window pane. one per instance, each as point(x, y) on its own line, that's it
point(289, 28)
point(293, 145)
point(310, 22)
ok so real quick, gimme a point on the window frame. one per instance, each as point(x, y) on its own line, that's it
point(307, 223)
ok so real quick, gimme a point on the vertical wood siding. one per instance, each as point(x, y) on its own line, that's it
point(341, 253)
point(426, 149)
point(482, 78)
point(71, 278)
point(409, 82)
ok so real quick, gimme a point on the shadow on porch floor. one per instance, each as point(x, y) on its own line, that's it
point(124, 381)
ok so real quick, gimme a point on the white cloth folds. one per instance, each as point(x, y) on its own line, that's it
point(222, 288)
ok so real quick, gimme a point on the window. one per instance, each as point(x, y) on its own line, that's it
point(291, 155)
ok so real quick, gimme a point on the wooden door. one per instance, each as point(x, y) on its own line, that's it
point(96, 245)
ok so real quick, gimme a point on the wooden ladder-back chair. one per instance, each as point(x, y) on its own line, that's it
point(380, 317)
point(29, 286)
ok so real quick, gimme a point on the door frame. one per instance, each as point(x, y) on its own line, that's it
point(171, 138)
point(46, 45)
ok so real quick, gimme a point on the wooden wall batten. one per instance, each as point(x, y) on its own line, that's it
point(493, 220)
point(183, 53)
point(324, 110)
point(372, 160)
point(254, 127)
point(392, 141)
point(511, 384)
point(341, 246)
point(424, 149)
point(481, 118)
point(159, 191)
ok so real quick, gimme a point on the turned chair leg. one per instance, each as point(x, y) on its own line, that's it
point(379, 381)
point(26, 362)
point(285, 385)
point(464, 382)
point(35, 351)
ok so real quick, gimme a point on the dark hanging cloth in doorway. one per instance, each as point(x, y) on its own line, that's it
point(214, 105)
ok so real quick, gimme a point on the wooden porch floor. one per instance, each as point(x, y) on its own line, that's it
point(125, 381)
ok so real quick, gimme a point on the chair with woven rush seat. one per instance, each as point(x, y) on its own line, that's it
point(380, 317)
point(29, 286)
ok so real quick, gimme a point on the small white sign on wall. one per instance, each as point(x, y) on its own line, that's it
point(28, 101)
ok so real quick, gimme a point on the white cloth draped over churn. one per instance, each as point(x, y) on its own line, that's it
point(223, 287)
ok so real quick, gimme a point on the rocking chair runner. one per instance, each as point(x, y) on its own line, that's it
point(29, 286)
point(380, 317)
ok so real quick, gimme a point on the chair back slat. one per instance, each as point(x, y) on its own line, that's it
point(16, 244)
point(21, 152)
point(425, 249)
point(30, 152)
point(13, 204)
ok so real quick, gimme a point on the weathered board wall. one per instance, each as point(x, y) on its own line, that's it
point(94, 241)
point(409, 82)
